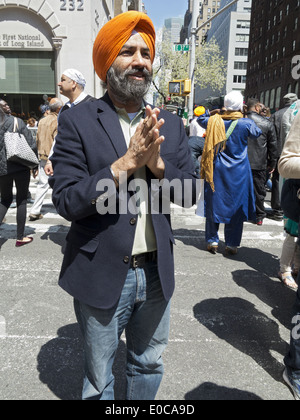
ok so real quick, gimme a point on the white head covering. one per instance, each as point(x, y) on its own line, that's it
point(75, 75)
point(234, 101)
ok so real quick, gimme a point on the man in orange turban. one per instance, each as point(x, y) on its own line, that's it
point(119, 265)
point(115, 34)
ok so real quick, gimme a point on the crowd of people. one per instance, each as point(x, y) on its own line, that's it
point(128, 284)
point(242, 170)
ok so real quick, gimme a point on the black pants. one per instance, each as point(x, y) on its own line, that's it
point(275, 197)
point(22, 180)
point(259, 182)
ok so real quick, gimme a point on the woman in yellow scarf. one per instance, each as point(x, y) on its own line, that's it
point(229, 194)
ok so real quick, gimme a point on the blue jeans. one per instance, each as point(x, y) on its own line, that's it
point(196, 145)
point(144, 314)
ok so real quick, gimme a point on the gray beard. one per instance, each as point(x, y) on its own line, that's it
point(125, 89)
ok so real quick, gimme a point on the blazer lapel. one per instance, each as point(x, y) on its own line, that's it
point(108, 118)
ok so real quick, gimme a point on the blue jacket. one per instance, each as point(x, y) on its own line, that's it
point(234, 193)
point(99, 247)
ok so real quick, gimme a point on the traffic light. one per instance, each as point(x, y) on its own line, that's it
point(187, 86)
point(180, 87)
point(180, 112)
point(175, 88)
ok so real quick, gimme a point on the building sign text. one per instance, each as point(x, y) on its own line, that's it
point(21, 41)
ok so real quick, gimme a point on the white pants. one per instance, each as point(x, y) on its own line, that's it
point(42, 189)
point(290, 255)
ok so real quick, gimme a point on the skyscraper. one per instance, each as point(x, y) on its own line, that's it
point(274, 51)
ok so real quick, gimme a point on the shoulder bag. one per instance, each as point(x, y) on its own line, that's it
point(18, 149)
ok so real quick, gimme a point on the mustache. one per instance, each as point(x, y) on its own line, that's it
point(142, 71)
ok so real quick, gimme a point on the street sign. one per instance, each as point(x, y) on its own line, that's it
point(181, 47)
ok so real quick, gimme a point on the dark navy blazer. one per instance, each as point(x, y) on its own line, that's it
point(99, 247)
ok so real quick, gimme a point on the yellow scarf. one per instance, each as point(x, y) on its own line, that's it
point(215, 142)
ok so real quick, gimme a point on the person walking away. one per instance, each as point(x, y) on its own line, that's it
point(262, 155)
point(289, 168)
point(118, 265)
point(277, 119)
point(71, 85)
point(10, 173)
point(228, 190)
point(46, 134)
point(196, 139)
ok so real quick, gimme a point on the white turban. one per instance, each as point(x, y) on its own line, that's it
point(76, 76)
point(234, 101)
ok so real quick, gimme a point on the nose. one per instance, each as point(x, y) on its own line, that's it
point(139, 60)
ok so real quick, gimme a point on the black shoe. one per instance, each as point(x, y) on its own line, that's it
point(275, 216)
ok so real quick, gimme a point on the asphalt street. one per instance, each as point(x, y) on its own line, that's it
point(229, 322)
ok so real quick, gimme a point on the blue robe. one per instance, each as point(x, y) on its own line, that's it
point(234, 194)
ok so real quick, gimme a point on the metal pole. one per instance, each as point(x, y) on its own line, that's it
point(194, 32)
point(195, 14)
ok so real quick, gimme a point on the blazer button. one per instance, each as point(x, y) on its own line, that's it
point(126, 260)
point(133, 221)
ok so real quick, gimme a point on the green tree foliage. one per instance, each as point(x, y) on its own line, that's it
point(210, 69)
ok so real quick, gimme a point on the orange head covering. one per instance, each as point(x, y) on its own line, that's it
point(115, 34)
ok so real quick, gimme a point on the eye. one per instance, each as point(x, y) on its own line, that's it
point(146, 54)
point(126, 53)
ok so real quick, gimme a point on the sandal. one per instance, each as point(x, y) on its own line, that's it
point(288, 280)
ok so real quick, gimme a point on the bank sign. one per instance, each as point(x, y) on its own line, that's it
point(22, 41)
point(23, 36)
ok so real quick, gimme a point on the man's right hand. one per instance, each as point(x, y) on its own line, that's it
point(48, 168)
point(142, 144)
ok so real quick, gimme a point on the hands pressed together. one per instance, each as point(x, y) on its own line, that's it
point(144, 148)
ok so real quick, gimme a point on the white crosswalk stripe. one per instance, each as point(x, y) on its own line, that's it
point(52, 222)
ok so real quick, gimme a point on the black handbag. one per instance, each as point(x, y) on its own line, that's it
point(290, 199)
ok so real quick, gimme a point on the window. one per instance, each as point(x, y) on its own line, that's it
point(262, 97)
point(239, 79)
point(243, 52)
point(240, 65)
point(278, 97)
point(267, 97)
point(245, 24)
point(28, 72)
point(242, 37)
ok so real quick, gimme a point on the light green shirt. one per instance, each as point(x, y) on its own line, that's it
point(145, 240)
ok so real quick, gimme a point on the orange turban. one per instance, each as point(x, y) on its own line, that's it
point(115, 34)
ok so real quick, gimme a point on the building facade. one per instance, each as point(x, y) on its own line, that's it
point(231, 30)
point(274, 52)
point(39, 39)
point(172, 30)
point(207, 9)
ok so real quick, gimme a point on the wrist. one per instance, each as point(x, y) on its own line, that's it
point(158, 168)
point(124, 164)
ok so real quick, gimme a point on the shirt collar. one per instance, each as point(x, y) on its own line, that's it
point(80, 98)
